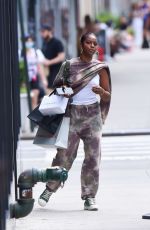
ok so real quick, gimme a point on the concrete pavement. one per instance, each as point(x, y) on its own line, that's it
point(123, 196)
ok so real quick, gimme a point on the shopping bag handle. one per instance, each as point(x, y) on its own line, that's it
point(53, 92)
point(65, 77)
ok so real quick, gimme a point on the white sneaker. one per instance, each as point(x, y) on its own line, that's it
point(44, 197)
point(90, 204)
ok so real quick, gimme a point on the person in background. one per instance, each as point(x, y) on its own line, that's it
point(137, 24)
point(88, 24)
point(88, 78)
point(144, 7)
point(147, 30)
point(53, 51)
point(35, 58)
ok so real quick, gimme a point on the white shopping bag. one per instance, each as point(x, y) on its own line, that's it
point(58, 140)
point(53, 104)
point(63, 133)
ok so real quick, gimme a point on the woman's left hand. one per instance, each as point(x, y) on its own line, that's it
point(98, 90)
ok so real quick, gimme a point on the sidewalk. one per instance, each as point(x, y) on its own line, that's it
point(123, 196)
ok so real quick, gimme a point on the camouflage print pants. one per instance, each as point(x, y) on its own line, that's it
point(85, 124)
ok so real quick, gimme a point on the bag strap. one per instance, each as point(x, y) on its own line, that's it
point(66, 73)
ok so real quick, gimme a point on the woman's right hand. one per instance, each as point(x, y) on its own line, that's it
point(67, 95)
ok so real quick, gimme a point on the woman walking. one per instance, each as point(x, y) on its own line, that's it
point(88, 78)
point(35, 60)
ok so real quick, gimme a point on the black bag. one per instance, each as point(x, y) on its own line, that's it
point(49, 123)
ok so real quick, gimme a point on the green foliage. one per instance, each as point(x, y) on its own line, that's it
point(108, 16)
point(130, 30)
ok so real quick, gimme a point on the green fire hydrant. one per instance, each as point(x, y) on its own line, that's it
point(26, 182)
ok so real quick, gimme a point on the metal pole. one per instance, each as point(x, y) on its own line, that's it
point(25, 59)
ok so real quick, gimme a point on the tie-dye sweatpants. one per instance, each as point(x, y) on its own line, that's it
point(85, 124)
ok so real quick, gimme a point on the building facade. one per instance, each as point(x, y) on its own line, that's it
point(65, 16)
point(61, 15)
point(95, 7)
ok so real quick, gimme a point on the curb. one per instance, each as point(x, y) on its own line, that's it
point(30, 136)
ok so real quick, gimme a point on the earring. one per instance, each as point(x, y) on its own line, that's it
point(81, 51)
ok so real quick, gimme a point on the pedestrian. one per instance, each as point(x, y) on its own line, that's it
point(137, 24)
point(146, 33)
point(35, 58)
point(88, 78)
point(54, 53)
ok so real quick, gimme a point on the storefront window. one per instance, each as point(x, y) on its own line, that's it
point(107, 5)
point(65, 23)
point(31, 16)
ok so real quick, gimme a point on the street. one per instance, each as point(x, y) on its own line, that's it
point(124, 192)
point(130, 105)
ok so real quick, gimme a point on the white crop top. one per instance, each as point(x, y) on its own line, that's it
point(86, 96)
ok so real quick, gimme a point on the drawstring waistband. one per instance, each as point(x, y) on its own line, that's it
point(85, 106)
point(82, 108)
